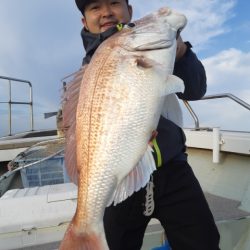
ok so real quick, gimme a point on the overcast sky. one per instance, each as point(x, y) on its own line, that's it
point(40, 42)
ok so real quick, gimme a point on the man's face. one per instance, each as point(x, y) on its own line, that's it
point(100, 15)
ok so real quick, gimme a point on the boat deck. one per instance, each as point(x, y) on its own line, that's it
point(223, 209)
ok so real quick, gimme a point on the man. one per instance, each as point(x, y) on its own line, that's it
point(179, 202)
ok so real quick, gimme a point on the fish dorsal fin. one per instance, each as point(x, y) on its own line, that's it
point(69, 106)
point(172, 85)
point(136, 179)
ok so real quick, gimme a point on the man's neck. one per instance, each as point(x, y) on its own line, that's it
point(92, 41)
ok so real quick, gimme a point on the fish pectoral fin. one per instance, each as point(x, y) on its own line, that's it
point(173, 84)
point(136, 179)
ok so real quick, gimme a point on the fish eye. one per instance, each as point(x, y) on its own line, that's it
point(130, 25)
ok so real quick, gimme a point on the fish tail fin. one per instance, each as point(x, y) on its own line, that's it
point(81, 241)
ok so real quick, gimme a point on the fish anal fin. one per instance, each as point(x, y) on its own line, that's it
point(136, 179)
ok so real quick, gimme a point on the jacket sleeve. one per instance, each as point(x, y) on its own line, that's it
point(170, 141)
point(192, 72)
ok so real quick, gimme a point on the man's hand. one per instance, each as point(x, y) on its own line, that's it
point(181, 49)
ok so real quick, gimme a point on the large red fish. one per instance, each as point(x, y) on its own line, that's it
point(119, 105)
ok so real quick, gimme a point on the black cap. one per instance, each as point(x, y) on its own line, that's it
point(81, 4)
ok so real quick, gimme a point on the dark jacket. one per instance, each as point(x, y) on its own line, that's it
point(170, 138)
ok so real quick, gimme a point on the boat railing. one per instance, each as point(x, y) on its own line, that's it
point(216, 96)
point(11, 102)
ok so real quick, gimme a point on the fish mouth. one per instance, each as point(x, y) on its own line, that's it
point(147, 46)
point(160, 44)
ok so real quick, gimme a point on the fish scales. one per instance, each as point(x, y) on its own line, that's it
point(120, 101)
point(109, 102)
